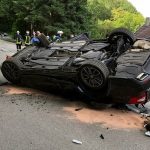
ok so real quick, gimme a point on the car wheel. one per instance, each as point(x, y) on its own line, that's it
point(93, 75)
point(11, 71)
point(125, 33)
point(121, 39)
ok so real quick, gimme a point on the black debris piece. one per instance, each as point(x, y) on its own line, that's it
point(78, 109)
point(147, 125)
point(101, 136)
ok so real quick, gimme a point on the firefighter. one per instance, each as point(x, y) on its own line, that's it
point(58, 36)
point(18, 41)
point(27, 39)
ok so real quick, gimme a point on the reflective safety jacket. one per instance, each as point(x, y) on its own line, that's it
point(18, 39)
point(27, 40)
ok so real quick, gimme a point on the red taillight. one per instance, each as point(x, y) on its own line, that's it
point(141, 98)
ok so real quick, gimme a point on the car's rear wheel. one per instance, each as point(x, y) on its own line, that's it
point(93, 75)
point(11, 71)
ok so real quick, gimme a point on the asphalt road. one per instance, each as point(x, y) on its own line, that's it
point(6, 48)
point(39, 122)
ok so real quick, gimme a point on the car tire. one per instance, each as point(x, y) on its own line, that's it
point(127, 34)
point(93, 75)
point(11, 71)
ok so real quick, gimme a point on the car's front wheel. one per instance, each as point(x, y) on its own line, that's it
point(11, 71)
point(121, 39)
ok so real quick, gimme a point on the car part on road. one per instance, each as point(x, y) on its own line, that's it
point(137, 108)
point(77, 141)
point(78, 109)
point(147, 133)
point(102, 137)
point(147, 127)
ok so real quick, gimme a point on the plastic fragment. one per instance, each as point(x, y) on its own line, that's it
point(78, 109)
point(77, 141)
point(101, 136)
point(147, 126)
point(145, 115)
point(147, 133)
point(133, 108)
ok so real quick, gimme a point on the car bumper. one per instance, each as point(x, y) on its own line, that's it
point(129, 90)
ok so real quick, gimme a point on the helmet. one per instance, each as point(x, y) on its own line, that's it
point(27, 32)
point(60, 32)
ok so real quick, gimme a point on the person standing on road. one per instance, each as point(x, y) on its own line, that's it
point(27, 39)
point(58, 36)
point(18, 40)
point(34, 40)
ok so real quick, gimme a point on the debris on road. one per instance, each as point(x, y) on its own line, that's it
point(145, 115)
point(147, 126)
point(77, 141)
point(133, 108)
point(145, 112)
point(78, 109)
point(137, 108)
point(101, 136)
point(147, 133)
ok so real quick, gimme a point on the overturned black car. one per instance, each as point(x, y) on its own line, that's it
point(108, 70)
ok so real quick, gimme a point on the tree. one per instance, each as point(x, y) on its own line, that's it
point(98, 17)
point(6, 15)
point(113, 14)
point(51, 15)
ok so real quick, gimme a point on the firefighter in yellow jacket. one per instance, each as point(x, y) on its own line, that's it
point(18, 40)
point(27, 39)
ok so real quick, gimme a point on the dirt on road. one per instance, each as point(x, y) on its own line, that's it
point(108, 117)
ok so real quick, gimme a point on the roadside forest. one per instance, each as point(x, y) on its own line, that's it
point(97, 17)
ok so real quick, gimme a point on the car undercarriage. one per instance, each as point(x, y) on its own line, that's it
point(107, 70)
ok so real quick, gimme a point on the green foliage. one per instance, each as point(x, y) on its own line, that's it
point(130, 20)
point(116, 13)
point(6, 15)
point(97, 17)
point(124, 4)
point(98, 10)
point(48, 16)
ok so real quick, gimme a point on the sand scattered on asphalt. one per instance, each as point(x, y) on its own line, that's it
point(10, 90)
point(109, 117)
